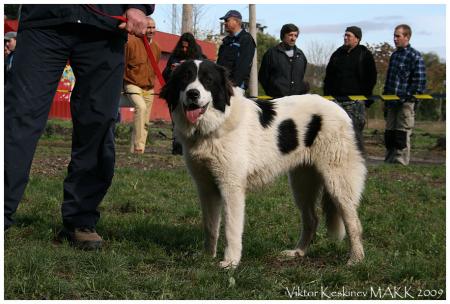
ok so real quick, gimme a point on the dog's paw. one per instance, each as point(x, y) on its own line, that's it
point(293, 253)
point(228, 264)
point(353, 260)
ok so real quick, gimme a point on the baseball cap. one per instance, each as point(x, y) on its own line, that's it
point(10, 35)
point(232, 13)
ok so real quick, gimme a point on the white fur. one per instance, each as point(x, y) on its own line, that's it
point(228, 153)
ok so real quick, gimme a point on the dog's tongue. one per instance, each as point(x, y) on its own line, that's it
point(193, 115)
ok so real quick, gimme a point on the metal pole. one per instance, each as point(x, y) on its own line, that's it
point(174, 18)
point(253, 83)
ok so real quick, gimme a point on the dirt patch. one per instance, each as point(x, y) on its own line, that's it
point(53, 156)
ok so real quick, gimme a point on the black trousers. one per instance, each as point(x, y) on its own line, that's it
point(97, 59)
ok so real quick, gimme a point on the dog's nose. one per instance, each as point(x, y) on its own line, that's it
point(193, 94)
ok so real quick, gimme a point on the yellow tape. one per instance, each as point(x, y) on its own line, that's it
point(63, 91)
point(390, 97)
point(358, 97)
point(423, 96)
point(363, 98)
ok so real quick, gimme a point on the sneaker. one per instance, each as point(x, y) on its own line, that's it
point(85, 238)
point(177, 148)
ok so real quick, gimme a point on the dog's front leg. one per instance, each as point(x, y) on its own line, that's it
point(211, 203)
point(234, 207)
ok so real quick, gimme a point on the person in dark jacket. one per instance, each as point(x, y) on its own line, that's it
point(49, 36)
point(10, 47)
point(186, 48)
point(283, 66)
point(351, 71)
point(237, 50)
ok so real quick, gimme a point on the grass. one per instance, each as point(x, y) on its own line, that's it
point(151, 223)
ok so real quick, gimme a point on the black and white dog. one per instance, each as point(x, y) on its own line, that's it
point(232, 144)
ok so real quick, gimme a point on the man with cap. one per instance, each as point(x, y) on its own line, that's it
point(283, 66)
point(237, 50)
point(351, 71)
point(10, 46)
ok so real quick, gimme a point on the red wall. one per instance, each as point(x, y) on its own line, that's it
point(61, 103)
point(61, 106)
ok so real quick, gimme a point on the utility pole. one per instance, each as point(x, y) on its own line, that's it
point(253, 82)
point(174, 18)
point(186, 23)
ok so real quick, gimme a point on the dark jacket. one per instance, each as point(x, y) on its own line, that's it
point(236, 54)
point(351, 73)
point(41, 15)
point(281, 75)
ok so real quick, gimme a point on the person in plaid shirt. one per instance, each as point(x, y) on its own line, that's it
point(405, 77)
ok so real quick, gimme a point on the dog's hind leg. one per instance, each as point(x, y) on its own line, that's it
point(211, 204)
point(306, 185)
point(333, 219)
point(345, 187)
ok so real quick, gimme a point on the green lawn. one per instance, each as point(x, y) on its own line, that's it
point(151, 223)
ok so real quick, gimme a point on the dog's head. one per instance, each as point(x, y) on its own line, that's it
point(198, 94)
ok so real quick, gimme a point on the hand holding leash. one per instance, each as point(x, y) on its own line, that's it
point(134, 22)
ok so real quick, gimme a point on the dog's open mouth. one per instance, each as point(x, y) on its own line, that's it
point(193, 112)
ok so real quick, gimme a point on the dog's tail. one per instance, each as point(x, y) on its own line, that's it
point(333, 219)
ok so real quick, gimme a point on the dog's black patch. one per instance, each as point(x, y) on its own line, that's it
point(215, 79)
point(180, 78)
point(313, 129)
point(287, 136)
point(268, 113)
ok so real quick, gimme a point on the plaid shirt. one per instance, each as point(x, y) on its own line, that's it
point(406, 74)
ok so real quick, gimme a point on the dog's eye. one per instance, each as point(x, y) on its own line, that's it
point(207, 80)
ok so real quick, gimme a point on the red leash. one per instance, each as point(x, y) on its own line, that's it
point(144, 39)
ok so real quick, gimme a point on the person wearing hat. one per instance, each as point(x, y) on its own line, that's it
point(283, 66)
point(351, 71)
point(237, 50)
point(10, 47)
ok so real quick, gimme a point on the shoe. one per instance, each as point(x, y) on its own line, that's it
point(177, 148)
point(138, 151)
point(85, 238)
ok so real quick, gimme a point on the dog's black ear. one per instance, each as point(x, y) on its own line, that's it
point(226, 83)
point(170, 93)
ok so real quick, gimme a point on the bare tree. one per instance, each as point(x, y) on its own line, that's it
point(318, 55)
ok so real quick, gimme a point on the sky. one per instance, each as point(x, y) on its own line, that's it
point(324, 24)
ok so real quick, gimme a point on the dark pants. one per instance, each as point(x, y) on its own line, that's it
point(96, 57)
point(357, 112)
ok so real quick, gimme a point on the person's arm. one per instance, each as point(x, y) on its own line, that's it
point(244, 60)
point(371, 72)
point(264, 71)
point(328, 77)
point(419, 77)
point(168, 69)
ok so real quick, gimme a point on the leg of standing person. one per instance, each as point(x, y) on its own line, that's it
point(137, 99)
point(405, 124)
point(39, 61)
point(98, 62)
point(148, 97)
point(389, 133)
